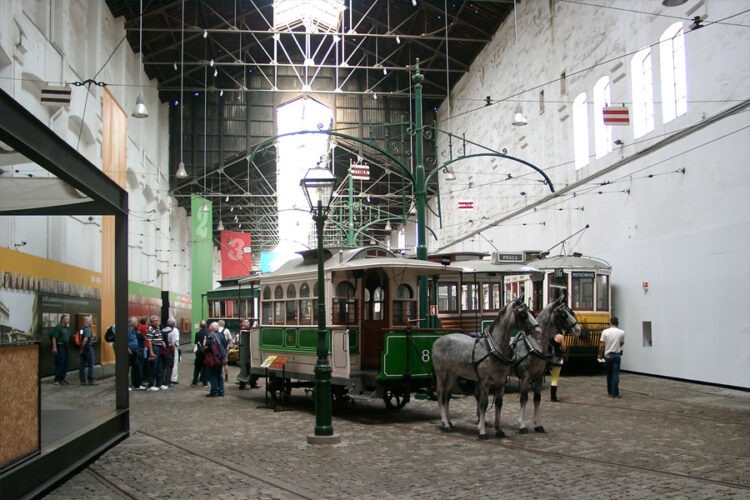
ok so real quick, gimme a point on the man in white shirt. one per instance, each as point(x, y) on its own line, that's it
point(610, 348)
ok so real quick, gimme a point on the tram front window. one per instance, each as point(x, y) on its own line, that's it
point(583, 291)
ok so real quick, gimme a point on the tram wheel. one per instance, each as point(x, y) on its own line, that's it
point(339, 397)
point(395, 398)
point(280, 389)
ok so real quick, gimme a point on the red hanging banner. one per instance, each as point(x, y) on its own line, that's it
point(236, 256)
point(616, 115)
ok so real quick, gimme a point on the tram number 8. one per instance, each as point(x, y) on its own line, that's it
point(425, 356)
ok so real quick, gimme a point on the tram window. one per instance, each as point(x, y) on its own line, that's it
point(345, 289)
point(602, 292)
point(291, 312)
point(305, 305)
point(490, 296)
point(583, 291)
point(214, 306)
point(557, 282)
point(230, 308)
point(469, 297)
point(447, 297)
point(378, 306)
point(404, 306)
point(267, 313)
point(344, 304)
point(278, 313)
point(291, 305)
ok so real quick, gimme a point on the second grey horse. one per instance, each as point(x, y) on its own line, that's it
point(533, 352)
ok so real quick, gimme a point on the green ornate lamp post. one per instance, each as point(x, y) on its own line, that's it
point(318, 185)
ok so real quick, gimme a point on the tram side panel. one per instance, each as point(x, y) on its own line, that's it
point(298, 347)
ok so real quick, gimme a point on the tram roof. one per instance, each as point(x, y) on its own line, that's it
point(572, 262)
point(481, 266)
point(342, 259)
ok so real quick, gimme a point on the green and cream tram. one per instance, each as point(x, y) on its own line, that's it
point(375, 347)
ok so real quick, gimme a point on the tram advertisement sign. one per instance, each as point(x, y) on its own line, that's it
point(236, 256)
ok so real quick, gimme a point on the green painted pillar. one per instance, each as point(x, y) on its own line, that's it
point(420, 194)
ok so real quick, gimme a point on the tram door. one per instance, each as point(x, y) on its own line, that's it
point(374, 317)
point(558, 283)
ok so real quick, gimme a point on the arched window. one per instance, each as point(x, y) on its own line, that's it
point(305, 305)
point(602, 132)
point(404, 305)
point(581, 130)
point(291, 305)
point(643, 93)
point(673, 73)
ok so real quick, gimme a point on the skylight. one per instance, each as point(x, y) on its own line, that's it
point(316, 16)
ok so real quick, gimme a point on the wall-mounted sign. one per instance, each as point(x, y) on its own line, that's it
point(466, 204)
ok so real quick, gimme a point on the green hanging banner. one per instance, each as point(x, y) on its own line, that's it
point(203, 258)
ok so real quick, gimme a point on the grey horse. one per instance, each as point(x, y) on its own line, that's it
point(533, 351)
point(486, 359)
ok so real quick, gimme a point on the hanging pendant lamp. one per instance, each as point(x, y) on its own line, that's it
point(140, 111)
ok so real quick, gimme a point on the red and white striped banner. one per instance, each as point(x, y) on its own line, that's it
point(616, 115)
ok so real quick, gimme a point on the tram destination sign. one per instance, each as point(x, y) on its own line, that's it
point(507, 257)
point(583, 274)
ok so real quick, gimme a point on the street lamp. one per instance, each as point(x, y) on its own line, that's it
point(318, 185)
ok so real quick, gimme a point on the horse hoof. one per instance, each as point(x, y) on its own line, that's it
point(448, 429)
point(483, 437)
point(523, 430)
point(499, 434)
point(539, 428)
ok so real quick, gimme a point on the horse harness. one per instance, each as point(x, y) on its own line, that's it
point(492, 348)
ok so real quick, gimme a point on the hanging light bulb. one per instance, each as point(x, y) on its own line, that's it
point(181, 172)
point(519, 119)
point(388, 226)
point(220, 227)
point(204, 207)
point(140, 111)
point(449, 175)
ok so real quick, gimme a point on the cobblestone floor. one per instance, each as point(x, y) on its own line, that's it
point(662, 439)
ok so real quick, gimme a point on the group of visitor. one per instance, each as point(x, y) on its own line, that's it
point(153, 353)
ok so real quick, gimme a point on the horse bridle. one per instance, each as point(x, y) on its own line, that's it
point(559, 319)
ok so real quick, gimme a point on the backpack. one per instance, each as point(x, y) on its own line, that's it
point(218, 349)
point(78, 338)
point(109, 335)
